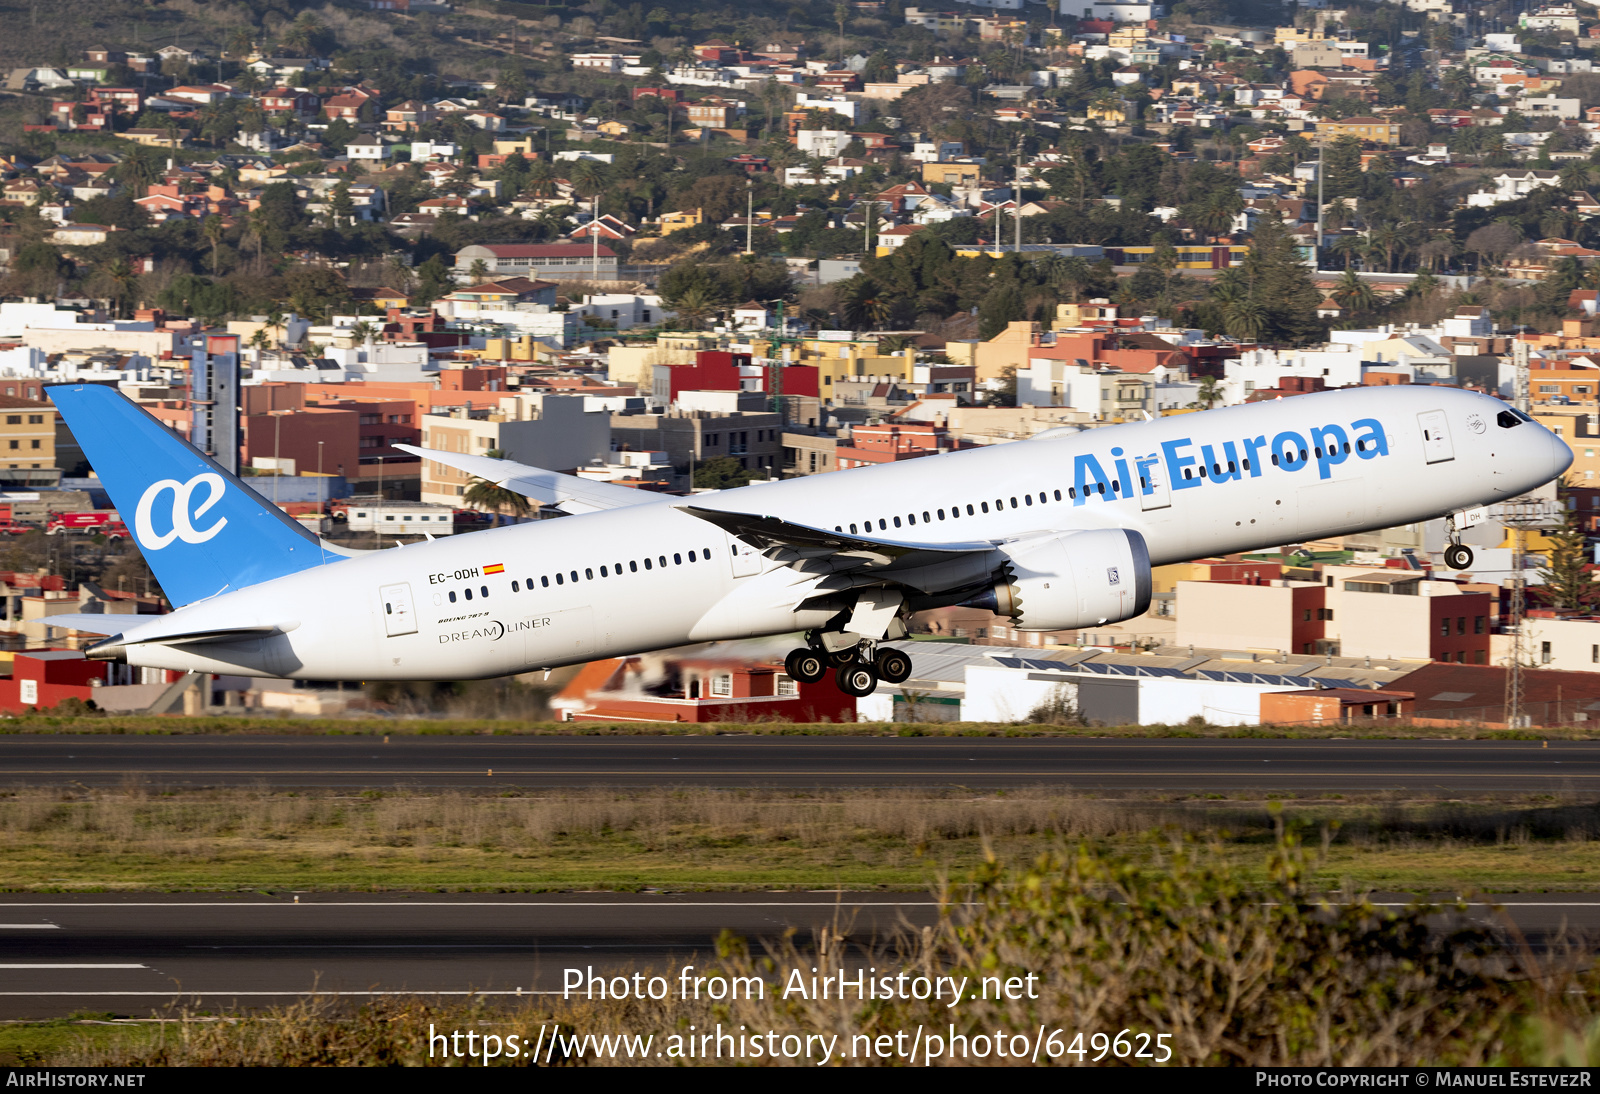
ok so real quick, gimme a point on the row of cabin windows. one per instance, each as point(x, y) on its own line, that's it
point(928, 517)
point(572, 576)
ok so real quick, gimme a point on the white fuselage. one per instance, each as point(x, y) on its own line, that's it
point(649, 576)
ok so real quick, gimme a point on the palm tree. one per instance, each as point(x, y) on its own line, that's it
point(123, 279)
point(1245, 320)
point(1347, 246)
point(478, 271)
point(213, 229)
point(1574, 177)
point(1338, 214)
point(541, 178)
point(486, 495)
point(139, 170)
point(694, 305)
point(1388, 239)
point(399, 272)
point(1353, 293)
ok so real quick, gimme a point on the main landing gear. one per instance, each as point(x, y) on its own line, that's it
point(857, 669)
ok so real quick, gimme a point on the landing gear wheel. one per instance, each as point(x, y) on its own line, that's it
point(857, 680)
point(848, 655)
point(1458, 556)
point(805, 666)
point(893, 666)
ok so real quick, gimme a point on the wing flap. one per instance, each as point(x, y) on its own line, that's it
point(568, 493)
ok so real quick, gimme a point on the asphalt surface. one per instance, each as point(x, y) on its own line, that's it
point(1427, 767)
point(142, 954)
point(134, 954)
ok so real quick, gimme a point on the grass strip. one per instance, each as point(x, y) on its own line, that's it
point(242, 840)
point(252, 725)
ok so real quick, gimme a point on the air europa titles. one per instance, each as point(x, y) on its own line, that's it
point(1187, 465)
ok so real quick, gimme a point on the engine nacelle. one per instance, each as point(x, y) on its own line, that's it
point(1079, 579)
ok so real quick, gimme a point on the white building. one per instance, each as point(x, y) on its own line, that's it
point(848, 108)
point(371, 151)
point(626, 310)
point(827, 143)
point(1569, 644)
point(603, 62)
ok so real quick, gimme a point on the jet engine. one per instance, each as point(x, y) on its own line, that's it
point(1078, 579)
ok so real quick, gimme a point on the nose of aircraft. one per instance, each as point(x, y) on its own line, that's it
point(1560, 454)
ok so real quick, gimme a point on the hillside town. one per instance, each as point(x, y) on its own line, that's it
point(691, 260)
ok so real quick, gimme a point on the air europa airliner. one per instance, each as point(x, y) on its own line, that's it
point(1057, 532)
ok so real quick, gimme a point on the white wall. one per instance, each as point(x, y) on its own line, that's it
point(1574, 643)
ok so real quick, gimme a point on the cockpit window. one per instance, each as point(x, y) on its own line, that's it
point(1508, 419)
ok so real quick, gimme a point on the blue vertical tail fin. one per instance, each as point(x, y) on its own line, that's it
point(201, 529)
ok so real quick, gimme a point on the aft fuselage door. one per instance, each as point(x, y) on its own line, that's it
point(1436, 447)
point(398, 614)
point(1154, 490)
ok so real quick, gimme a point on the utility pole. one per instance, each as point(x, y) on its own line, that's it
point(594, 238)
point(749, 213)
point(1521, 398)
point(1519, 603)
point(1316, 259)
point(775, 369)
point(1016, 198)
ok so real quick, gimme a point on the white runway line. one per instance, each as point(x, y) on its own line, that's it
point(74, 966)
point(29, 927)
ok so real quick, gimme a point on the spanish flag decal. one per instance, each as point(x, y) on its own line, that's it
point(497, 568)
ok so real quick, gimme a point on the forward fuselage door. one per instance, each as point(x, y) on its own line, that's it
point(1436, 447)
point(1154, 490)
point(399, 617)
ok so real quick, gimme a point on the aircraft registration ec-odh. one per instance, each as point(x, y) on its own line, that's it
point(1057, 532)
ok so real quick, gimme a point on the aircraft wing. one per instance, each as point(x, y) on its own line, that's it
point(569, 493)
point(92, 624)
point(821, 550)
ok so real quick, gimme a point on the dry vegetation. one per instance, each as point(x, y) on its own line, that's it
point(469, 724)
point(710, 839)
point(1240, 967)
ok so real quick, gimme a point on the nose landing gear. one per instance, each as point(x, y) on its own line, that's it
point(1457, 556)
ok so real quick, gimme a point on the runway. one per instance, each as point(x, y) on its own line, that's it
point(1088, 764)
point(141, 954)
point(137, 953)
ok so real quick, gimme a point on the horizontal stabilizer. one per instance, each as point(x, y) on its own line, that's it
point(569, 493)
point(94, 624)
point(120, 640)
point(791, 543)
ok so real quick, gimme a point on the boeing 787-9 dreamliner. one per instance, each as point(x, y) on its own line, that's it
point(1056, 533)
